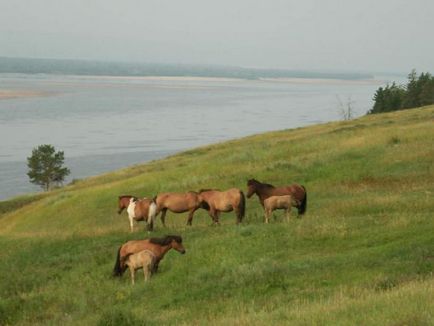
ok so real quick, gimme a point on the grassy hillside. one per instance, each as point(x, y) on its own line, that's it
point(362, 254)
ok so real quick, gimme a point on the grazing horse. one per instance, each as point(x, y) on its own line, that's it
point(158, 246)
point(265, 190)
point(178, 203)
point(279, 202)
point(138, 210)
point(223, 201)
point(143, 259)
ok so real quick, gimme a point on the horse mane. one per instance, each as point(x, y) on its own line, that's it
point(254, 181)
point(164, 241)
point(204, 190)
point(130, 196)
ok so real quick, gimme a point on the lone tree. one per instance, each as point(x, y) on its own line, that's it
point(45, 167)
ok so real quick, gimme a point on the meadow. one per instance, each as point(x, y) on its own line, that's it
point(362, 255)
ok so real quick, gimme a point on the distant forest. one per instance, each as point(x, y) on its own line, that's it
point(99, 68)
point(419, 91)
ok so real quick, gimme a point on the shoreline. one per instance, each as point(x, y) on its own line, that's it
point(289, 80)
point(11, 94)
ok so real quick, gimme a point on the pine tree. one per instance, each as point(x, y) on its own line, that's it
point(46, 167)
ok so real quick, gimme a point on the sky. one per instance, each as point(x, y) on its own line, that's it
point(328, 35)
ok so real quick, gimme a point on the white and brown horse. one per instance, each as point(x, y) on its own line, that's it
point(138, 210)
point(216, 201)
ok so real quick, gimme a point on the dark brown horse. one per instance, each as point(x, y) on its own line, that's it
point(138, 210)
point(178, 203)
point(265, 190)
point(158, 246)
point(216, 201)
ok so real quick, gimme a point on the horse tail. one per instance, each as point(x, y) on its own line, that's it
point(152, 212)
point(303, 205)
point(242, 206)
point(117, 270)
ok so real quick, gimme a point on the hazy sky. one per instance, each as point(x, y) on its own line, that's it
point(349, 35)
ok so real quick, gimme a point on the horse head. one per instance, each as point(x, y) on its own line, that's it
point(252, 185)
point(123, 202)
point(175, 242)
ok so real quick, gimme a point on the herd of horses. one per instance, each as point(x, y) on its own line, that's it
point(148, 253)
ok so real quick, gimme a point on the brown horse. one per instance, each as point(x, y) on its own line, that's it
point(138, 210)
point(178, 203)
point(265, 190)
point(158, 246)
point(272, 203)
point(216, 201)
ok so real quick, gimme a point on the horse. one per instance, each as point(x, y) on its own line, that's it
point(278, 202)
point(178, 203)
point(265, 190)
point(158, 246)
point(143, 259)
point(138, 210)
point(124, 201)
point(216, 201)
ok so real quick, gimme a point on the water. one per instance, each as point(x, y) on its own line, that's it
point(105, 123)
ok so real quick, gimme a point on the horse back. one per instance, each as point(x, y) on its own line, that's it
point(177, 202)
point(135, 246)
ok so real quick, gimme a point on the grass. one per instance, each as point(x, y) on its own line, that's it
point(363, 253)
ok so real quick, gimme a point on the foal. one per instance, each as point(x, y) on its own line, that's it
point(143, 259)
point(279, 202)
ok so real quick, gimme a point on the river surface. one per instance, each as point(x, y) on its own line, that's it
point(106, 123)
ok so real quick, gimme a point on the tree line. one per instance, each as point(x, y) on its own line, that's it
point(418, 91)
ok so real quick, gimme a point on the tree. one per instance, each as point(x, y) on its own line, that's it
point(418, 92)
point(346, 111)
point(46, 167)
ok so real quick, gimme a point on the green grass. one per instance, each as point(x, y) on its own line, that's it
point(362, 255)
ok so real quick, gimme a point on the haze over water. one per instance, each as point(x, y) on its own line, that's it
point(106, 123)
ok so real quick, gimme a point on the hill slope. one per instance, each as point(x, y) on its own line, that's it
point(363, 253)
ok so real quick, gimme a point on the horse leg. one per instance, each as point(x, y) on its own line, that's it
point(163, 216)
point(237, 213)
point(131, 223)
point(288, 212)
point(150, 226)
point(155, 268)
point(132, 272)
point(216, 219)
point(146, 271)
point(267, 215)
point(190, 215)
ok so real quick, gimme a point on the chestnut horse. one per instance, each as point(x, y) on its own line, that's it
point(158, 246)
point(265, 190)
point(223, 201)
point(178, 203)
point(138, 210)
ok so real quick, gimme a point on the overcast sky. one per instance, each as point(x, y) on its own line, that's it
point(347, 35)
